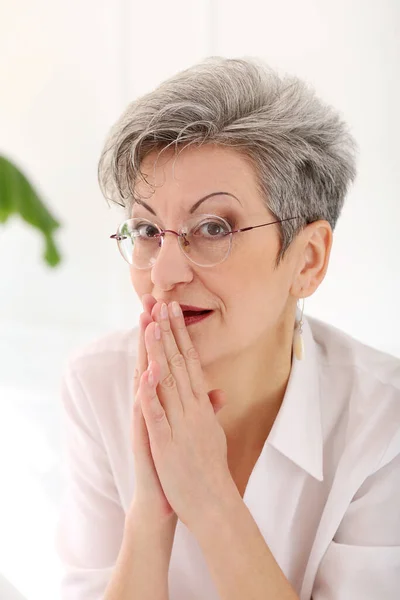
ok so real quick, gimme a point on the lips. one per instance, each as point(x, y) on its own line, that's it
point(196, 317)
point(192, 311)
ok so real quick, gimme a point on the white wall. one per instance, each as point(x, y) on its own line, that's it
point(67, 70)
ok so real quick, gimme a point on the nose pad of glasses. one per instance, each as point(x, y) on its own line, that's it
point(184, 240)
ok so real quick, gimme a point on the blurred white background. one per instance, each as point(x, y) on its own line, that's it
point(67, 71)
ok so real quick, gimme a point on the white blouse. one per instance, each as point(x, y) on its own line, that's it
point(325, 491)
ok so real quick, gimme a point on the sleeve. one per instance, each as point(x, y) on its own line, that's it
point(363, 559)
point(91, 519)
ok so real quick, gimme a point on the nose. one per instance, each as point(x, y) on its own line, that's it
point(171, 266)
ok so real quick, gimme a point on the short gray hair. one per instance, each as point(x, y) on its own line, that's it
point(302, 151)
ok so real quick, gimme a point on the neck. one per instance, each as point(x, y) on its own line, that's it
point(254, 382)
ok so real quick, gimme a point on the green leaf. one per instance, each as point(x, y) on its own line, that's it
point(18, 196)
point(6, 201)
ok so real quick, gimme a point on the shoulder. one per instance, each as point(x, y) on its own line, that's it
point(338, 349)
point(115, 346)
point(102, 370)
point(360, 390)
point(344, 358)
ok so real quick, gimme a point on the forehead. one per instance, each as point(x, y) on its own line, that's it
point(192, 172)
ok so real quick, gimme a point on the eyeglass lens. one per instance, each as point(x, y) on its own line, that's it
point(206, 241)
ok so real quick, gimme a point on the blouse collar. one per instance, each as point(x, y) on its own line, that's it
point(297, 429)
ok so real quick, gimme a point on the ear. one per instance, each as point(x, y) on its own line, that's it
point(314, 245)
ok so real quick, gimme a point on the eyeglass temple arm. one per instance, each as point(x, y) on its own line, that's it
point(118, 237)
point(263, 225)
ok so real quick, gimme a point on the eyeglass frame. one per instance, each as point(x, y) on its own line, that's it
point(180, 234)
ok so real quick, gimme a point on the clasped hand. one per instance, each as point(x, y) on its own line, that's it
point(188, 444)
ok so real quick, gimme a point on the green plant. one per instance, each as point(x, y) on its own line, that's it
point(18, 196)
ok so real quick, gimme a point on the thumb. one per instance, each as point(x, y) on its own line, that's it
point(217, 399)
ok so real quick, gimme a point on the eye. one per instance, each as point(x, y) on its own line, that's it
point(212, 229)
point(145, 230)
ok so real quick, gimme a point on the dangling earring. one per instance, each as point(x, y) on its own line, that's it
point(298, 342)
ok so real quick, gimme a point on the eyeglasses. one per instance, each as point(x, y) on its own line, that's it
point(206, 240)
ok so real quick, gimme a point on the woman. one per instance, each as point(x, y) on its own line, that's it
point(238, 449)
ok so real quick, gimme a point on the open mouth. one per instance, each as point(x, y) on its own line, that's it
point(194, 313)
point(192, 316)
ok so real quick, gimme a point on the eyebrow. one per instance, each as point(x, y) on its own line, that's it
point(195, 205)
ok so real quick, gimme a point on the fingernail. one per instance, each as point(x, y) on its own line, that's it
point(164, 311)
point(157, 332)
point(176, 309)
point(151, 377)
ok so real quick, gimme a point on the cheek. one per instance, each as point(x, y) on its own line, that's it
point(250, 279)
point(134, 278)
point(140, 281)
point(254, 293)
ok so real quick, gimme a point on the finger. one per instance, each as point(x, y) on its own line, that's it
point(186, 348)
point(139, 434)
point(167, 388)
point(148, 301)
point(142, 361)
point(171, 359)
point(146, 399)
point(155, 416)
point(149, 396)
